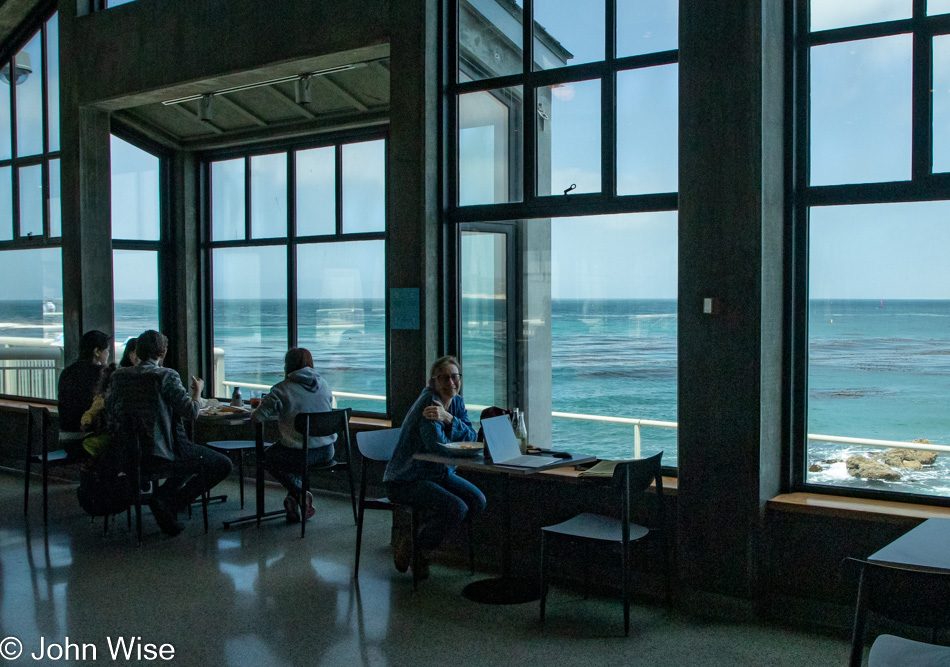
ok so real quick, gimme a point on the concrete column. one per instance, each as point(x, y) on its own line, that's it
point(412, 253)
point(730, 249)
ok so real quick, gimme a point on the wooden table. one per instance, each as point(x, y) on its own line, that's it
point(506, 589)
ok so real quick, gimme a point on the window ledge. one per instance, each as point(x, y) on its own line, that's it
point(840, 506)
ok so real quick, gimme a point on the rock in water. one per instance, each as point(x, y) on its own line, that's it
point(814, 467)
point(908, 458)
point(862, 466)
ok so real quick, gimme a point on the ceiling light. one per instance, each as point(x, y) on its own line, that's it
point(204, 108)
point(302, 89)
point(22, 70)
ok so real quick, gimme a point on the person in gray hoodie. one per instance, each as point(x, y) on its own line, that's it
point(302, 390)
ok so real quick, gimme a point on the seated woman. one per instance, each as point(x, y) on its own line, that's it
point(444, 498)
point(128, 354)
point(77, 387)
point(302, 390)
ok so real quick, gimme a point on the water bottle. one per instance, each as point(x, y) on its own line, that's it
point(521, 433)
point(236, 400)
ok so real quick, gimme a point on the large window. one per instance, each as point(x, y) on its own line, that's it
point(136, 234)
point(297, 255)
point(31, 283)
point(562, 188)
point(873, 216)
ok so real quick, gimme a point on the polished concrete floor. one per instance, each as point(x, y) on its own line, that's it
point(263, 596)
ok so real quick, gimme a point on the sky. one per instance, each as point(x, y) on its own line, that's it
point(861, 131)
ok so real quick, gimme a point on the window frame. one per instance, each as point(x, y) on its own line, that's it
point(532, 206)
point(290, 241)
point(923, 185)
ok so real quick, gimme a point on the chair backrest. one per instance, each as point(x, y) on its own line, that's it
point(378, 445)
point(903, 593)
point(633, 478)
point(38, 421)
point(319, 424)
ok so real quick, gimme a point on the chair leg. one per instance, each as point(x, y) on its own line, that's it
point(26, 486)
point(45, 485)
point(105, 525)
point(542, 601)
point(667, 569)
point(626, 589)
point(241, 475)
point(349, 474)
point(359, 540)
point(857, 632)
point(205, 495)
point(414, 524)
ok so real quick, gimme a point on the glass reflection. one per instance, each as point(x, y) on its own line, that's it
point(135, 192)
point(6, 136)
point(647, 130)
point(135, 292)
point(569, 137)
point(861, 111)
point(828, 14)
point(364, 187)
point(941, 103)
point(227, 200)
point(316, 191)
point(55, 200)
point(341, 318)
point(490, 39)
point(6, 203)
point(29, 99)
point(566, 34)
point(490, 146)
point(250, 316)
point(646, 26)
point(52, 81)
point(269, 196)
point(31, 200)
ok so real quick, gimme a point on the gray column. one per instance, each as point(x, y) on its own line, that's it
point(730, 249)
point(412, 253)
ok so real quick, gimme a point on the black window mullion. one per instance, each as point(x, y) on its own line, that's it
point(14, 171)
point(247, 198)
point(292, 249)
point(530, 119)
point(338, 187)
point(922, 114)
point(44, 92)
point(608, 108)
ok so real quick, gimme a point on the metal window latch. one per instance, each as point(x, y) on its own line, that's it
point(543, 114)
point(572, 187)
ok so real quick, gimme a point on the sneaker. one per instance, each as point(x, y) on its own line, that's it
point(402, 546)
point(165, 518)
point(292, 509)
point(309, 510)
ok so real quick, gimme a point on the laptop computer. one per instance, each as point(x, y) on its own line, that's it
point(503, 446)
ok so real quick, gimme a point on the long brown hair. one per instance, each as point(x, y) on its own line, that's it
point(297, 358)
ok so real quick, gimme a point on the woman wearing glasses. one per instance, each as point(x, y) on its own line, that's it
point(443, 498)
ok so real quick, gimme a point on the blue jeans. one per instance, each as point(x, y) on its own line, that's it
point(284, 463)
point(443, 503)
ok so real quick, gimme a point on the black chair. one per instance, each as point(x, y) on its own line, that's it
point(632, 479)
point(376, 449)
point(905, 594)
point(38, 429)
point(320, 424)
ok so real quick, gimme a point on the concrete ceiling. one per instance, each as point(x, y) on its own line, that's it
point(12, 14)
point(352, 98)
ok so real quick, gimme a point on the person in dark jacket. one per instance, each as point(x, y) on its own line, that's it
point(302, 390)
point(437, 417)
point(77, 388)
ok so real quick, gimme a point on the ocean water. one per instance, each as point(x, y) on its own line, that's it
point(876, 369)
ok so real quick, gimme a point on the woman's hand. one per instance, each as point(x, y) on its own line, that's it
point(437, 413)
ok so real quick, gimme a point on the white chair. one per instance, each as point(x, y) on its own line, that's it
point(891, 651)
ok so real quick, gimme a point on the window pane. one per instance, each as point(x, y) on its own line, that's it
point(269, 196)
point(647, 130)
point(29, 98)
point(341, 318)
point(227, 200)
point(646, 26)
point(941, 104)
point(116, 3)
point(316, 191)
point(485, 319)
point(6, 203)
point(31, 322)
point(6, 146)
point(135, 199)
point(52, 70)
point(364, 187)
point(827, 14)
point(490, 147)
point(612, 336)
point(861, 111)
point(563, 35)
point(55, 201)
point(250, 317)
point(31, 200)
point(569, 137)
point(878, 340)
point(938, 7)
point(135, 294)
point(490, 39)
